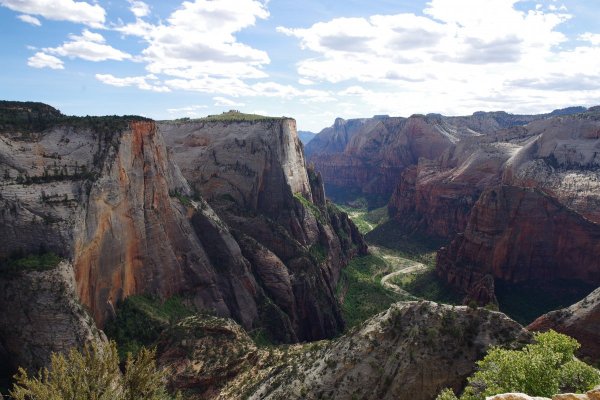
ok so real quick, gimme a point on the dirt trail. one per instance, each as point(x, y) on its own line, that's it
point(400, 266)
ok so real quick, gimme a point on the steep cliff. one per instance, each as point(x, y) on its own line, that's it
point(365, 157)
point(558, 156)
point(40, 315)
point(104, 193)
point(522, 235)
point(253, 174)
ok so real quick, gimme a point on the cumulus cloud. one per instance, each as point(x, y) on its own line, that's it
point(60, 10)
point(139, 8)
point(460, 55)
point(29, 19)
point(89, 46)
point(190, 111)
point(408, 46)
point(593, 38)
point(198, 40)
point(43, 60)
point(148, 82)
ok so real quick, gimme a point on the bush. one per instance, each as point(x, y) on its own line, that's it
point(446, 394)
point(544, 368)
point(94, 374)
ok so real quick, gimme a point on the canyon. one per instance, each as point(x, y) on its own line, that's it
point(225, 215)
point(105, 195)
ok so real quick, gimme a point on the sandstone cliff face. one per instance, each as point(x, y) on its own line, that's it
point(367, 156)
point(104, 193)
point(377, 152)
point(518, 235)
point(40, 315)
point(254, 175)
point(581, 321)
point(556, 155)
point(411, 351)
point(537, 235)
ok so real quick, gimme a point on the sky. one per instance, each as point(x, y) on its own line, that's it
point(307, 59)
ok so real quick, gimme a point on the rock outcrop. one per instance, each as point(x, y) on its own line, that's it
point(543, 225)
point(581, 321)
point(593, 394)
point(365, 157)
point(104, 193)
point(253, 174)
point(410, 351)
point(522, 235)
point(40, 315)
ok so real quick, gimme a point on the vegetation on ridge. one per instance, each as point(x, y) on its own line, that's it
point(544, 368)
point(236, 116)
point(30, 117)
point(94, 374)
point(141, 319)
point(19, 262)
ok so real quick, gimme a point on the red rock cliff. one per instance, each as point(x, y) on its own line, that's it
point(522, 235)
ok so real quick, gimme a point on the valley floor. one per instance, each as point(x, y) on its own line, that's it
point(403, 265)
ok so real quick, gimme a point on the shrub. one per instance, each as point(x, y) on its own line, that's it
point(93, 374)
point(543, 368)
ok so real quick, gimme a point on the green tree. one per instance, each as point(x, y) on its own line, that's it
point(544, 368)
point(93, 374)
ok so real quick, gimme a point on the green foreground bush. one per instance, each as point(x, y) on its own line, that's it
point(544, 368)
point(94, 374)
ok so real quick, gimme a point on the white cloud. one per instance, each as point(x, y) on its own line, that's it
point(198, 40)
point(413, 48)
point(43, 60)
point(29, 19)
point(139, 8)
point(593, 38)
point(225, 102)
point(60, 10)
point(461, 56)
point(89, 46)
point(190, 111)
point(148, 82)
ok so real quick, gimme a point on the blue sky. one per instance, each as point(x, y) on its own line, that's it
point(311, 60)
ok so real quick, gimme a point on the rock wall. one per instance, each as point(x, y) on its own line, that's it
point(253, 174)
point(365, 157)
point(40, 315)
point(104, 193)
point(410, 351)
point(522, 235)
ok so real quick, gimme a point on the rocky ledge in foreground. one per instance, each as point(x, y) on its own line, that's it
point(411, 351)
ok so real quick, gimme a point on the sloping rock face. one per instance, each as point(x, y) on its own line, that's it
point(522, 235)
point(104, 193)
point(40, 315)
point(547, 179)
point(581, 321)
point(365, 157)
point(375, 153)
point(253, 174)
point(411, 351)
point(558, 156)
point(435, 197)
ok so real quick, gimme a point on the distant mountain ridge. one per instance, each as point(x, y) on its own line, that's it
point(364, 156)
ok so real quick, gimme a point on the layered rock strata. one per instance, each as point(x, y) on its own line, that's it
point(104, 193)
point(410, 351)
